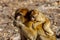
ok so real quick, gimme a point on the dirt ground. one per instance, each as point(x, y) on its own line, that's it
point(51, 8)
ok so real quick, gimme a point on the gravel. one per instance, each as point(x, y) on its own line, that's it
point(8, 7)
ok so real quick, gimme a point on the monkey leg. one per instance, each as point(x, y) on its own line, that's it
point(47, 28)
point(48, 37)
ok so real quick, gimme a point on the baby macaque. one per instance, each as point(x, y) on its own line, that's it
point(43, 20)
point(34, 23)
point(42, 24)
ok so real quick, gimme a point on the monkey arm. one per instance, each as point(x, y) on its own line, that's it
point(47, 27)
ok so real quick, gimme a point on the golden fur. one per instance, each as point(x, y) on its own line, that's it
point(34, 24)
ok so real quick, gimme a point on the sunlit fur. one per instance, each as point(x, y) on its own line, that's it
point(42, 24)
point(36, 24)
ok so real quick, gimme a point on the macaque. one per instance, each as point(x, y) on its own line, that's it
point(33, 23)
point(22, 19)
point(43, 20)
point(42, 24)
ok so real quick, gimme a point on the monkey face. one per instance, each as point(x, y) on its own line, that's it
point(23, 11)
point(20, 14)
point(35, 16)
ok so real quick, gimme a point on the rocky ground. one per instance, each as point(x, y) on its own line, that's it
point(51, 8)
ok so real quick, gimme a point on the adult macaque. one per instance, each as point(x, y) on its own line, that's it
point(33, 23)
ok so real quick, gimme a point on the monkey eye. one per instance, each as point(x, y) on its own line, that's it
point(20, 14)
point(33, 17)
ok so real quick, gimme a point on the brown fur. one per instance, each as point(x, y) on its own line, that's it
point(38, 24)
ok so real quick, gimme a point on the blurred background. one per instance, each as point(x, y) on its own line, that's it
point(51, 8)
